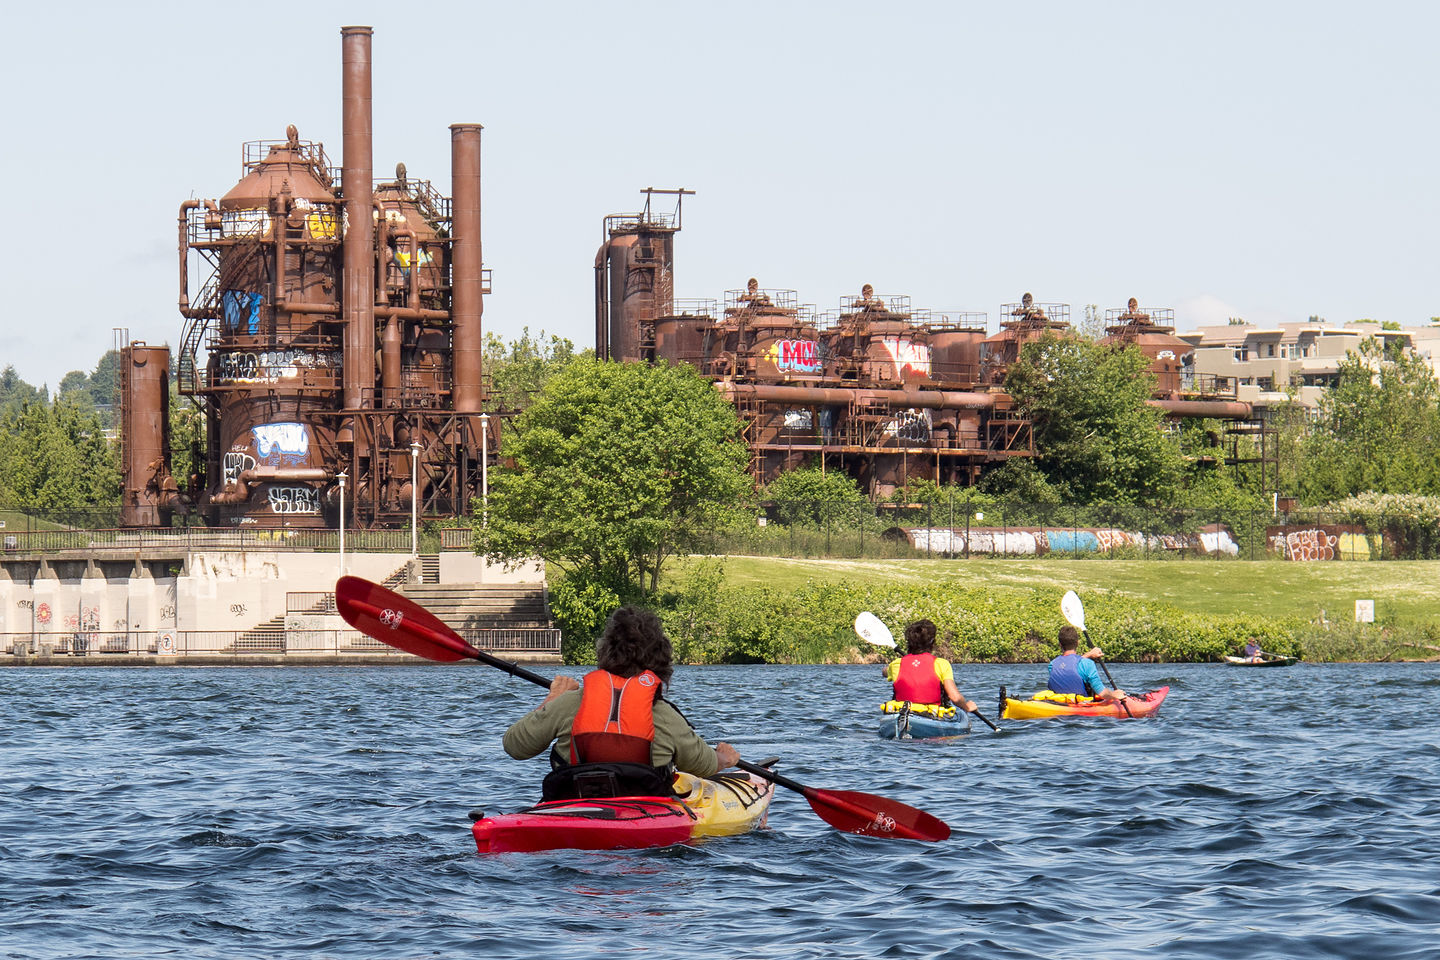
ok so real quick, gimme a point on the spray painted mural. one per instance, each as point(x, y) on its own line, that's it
point(911, 359)
point(1319, 542)
point(1039, 541)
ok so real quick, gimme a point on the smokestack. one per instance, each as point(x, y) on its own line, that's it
point(466, 281)
point(356, 179)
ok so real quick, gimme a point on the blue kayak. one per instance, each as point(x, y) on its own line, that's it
point(906, 725)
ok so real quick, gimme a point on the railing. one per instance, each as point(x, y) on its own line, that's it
point(104, 540)
point(239, 644)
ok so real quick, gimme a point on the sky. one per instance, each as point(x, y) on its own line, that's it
point(1266, 160)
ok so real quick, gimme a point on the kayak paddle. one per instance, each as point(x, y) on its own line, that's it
point(871, 629)
point(402, 623)
point(1074, 611)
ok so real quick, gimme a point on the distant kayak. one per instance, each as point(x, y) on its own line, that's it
point(1048, 704)
point(915, 726)
point(1272, 662)
point(731, 803)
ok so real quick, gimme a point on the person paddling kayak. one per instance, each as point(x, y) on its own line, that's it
point(615, 735)
point(1073, 673)
point(920, 677)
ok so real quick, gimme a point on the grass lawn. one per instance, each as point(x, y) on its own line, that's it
point(1405, 591)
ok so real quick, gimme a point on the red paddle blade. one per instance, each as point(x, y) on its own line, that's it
point(398, 621)
point(873, 816)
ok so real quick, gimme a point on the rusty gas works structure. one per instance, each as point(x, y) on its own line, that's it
point(335, 335)
point(880, 390)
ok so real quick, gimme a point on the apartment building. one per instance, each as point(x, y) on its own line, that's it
point(1272, 362)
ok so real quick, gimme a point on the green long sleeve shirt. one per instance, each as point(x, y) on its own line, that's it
point(675, 740)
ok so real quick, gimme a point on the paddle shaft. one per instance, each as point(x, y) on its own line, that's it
point(514, 669)
point(1123, 704)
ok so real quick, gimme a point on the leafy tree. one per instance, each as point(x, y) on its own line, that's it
point(1097, 439)
point(76, 381)
point(1378, 429)
point(519, 371)
point(813, 497)
point(187, 441)
point(56, 459)
point(105, 379)
point(616, 467)
point(15, 392)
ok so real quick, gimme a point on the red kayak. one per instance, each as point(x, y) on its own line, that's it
point(724, 806)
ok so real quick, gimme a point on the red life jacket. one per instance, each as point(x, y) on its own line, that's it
point(916, 680)
point(616, 719)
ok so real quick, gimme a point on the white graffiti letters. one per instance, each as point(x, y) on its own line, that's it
point(293, 500)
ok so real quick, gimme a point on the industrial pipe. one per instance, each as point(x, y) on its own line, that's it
point(900, 396)
point(356, 179)
point(1217, 409)
point(239, 491)
point(602, 301)
point(467, 264)
point(185, 209)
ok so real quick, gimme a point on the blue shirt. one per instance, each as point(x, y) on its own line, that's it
point(1072, 673)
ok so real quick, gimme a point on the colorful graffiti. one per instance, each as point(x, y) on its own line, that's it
point(1038, 541)
point(282, 443)
point(803, 356)
point(911, 359)
point(42, 613)
point(1320, 542)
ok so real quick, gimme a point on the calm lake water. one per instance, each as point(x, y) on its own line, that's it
point(291, 812)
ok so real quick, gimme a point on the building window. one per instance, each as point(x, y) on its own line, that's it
point(1239, 354)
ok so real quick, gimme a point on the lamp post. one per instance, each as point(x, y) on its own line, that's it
point(414, 498)
point(342, 477)
point(484, 469)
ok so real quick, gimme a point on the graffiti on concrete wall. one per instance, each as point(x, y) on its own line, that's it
point(1038, 541)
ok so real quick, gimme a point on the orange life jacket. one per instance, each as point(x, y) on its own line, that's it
point(616, 719)
point(916, 680)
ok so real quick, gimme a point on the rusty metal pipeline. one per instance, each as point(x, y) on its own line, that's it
point(185, 209)
point(467, 268)
point(602, 301)
point(1217, 409)
point(900, 396)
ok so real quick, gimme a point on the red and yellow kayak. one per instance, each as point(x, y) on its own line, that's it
point(727, 805)
point(1047, 703)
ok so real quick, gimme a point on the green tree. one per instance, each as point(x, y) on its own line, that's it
point(813, 497)
point(56, 459)
point(14, 392)
point(105, 379)
point(1378, 429)
point(615, 468)
point(76, 381)
point(187, 441)
point(1097, 439)
point(519, 371)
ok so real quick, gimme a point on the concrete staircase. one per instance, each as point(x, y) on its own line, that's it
point(484, 606)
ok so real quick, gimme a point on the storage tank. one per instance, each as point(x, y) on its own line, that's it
point(149, 494)
point(876, 341)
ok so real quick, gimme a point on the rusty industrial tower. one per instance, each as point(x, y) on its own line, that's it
point(332, 336)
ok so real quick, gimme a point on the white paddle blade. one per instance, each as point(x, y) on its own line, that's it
point(871, 630)
point(1074, 612)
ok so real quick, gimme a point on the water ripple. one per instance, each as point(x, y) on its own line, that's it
point(321, 813)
